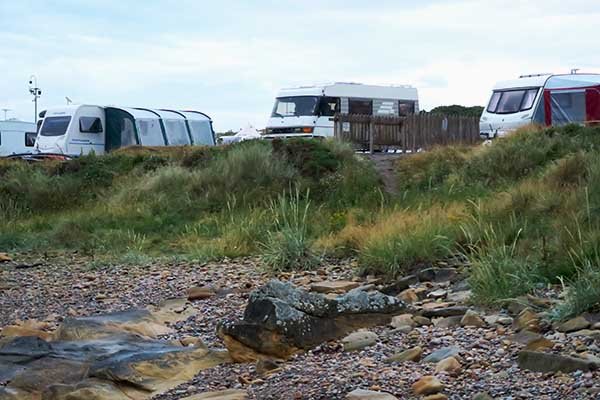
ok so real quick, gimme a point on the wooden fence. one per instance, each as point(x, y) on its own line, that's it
point(412, 133)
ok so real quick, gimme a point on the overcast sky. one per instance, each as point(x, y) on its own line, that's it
point(228, 58)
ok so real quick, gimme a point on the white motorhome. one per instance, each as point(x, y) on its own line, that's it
point(81, 129)
point(544, 99)
point(16, 137)
point(309, 111)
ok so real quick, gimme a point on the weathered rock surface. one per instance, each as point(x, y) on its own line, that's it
point(547, 362)
point(108, 357)
point(471, 318)
point(222, 395)
point(359, 340)
point(200, 293)
point(360, 394)
point(334, 286)
point(442, 354)
point(573, 325)
point(427, 385)
point(413, 354)
point(450, 311)
point(400, 285)
point(449, 365)
point(437, 274)
point(281, 320)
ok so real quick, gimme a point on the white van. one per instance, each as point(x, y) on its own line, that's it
point(309, 111)
point(82, 129)
point(549, 100)
point(16, 137)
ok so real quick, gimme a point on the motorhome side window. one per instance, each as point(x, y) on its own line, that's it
point(406, 108)
point(364, 107)
point(512, 101)
point(55, 126)
point(90, 125)
point(329, 106)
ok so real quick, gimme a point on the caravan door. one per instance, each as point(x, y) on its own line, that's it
point(572, 106)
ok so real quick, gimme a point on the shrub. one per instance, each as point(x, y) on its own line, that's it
point(288, 247)
point(582, 293)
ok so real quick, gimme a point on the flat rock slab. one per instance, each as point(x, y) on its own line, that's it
point(443, 311)
point(547, 362)
point(334, 286)
point(103, 358)
point(442, 354)
point(281, 320)
point(360, 394)
point(222, 395)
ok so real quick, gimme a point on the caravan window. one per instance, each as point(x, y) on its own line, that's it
point(512, 101)
point(90, 125)
point(55, 126)
point(177, 133)
point(201, 132)
point(406, 108)
point(150, 132)
point(364, 107)
point(30, 139)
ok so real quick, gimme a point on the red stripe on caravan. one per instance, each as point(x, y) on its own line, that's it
point(592, 105)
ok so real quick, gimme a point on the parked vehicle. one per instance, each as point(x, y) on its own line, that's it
point(543, 99)
point(16, 137)
point(247, 133)
point(309, 111)
point(82, 129)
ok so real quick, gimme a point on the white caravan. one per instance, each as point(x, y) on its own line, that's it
point(549, 100)
point(16, 137)
point(309, 111)
point(82, 129)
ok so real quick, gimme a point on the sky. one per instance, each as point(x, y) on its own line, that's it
point(229, 58)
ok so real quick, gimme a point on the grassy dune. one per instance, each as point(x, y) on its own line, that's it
point(522, 213)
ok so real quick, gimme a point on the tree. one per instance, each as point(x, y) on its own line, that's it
point(456, 109)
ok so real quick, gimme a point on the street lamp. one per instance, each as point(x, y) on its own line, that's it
point(36, 92)
point(6, 110)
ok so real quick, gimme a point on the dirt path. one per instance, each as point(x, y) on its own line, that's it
point(384, 164)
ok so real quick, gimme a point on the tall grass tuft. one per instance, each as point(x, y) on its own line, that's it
point(288, 247)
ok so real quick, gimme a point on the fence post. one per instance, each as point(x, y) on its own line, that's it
point(371, 135)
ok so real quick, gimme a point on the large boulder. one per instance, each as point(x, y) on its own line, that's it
point(281, 320)
point(548, 362)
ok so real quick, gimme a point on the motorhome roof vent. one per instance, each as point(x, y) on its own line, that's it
point(533, 75)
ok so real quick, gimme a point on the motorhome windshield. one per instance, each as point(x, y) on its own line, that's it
point(295, 106)
point(55, 126)
point(512, 101)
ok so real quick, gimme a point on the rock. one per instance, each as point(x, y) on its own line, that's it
point(200, 293)
point(422, 321)
point(409, 296)
point(459, 297)
point(359, 340)
point(281, 320)
point(222, 395)
point(448, 322)
point(413, 354)
point(192, 341)
point(437, 396)
point(400, 285)
point(442, 354)
point(482, 396)
point(448, 311)
point(573, 325)
point(5, 258)
point(546, 362)
point(505, 320)
point(404, 320)
point(449, 365)
point(101, 357)
point(438, 294)
point(267, 367)
point(527, 320)
point(360, 394)
point(539, 344)
point(471, 318)
point(437, 274)
point(334, 286)
point(515, 306)
point(593, 334)
point(18, 331)
point(427, 385)
point(525, 337)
